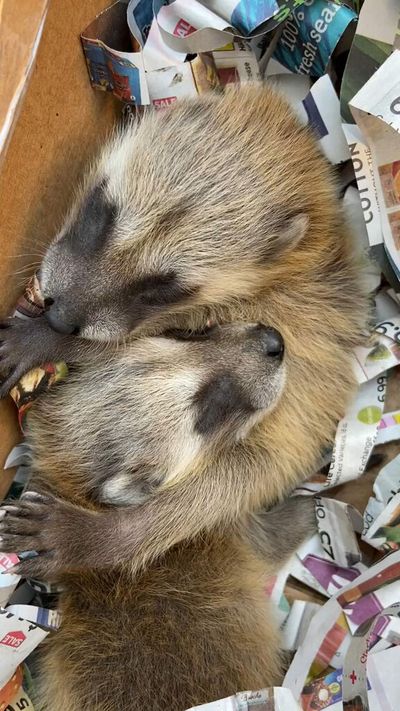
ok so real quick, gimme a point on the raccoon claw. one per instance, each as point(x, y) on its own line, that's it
point(25, 344)
point(16, 354)
point(41, 567)
point(20, 524)
point(11, 380)
point(50, 527)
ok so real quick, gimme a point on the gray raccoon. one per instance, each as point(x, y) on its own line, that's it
point(221, 208)
point(194, 625)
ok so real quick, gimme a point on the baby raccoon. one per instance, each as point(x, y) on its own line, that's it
point(221, 208)
point(194, 625)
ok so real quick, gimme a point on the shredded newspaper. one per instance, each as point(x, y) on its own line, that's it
point(338, 62)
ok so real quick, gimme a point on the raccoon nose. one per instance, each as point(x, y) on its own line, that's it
point(58, 323)
point(47, 303)
point(271, 341)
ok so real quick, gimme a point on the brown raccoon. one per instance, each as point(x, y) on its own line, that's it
point(195, 624)
point(221, 208)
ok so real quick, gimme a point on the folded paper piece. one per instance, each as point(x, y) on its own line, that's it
point(357, 431)
point(312, 34)
point(139, 51)
point(376, 109)
point(372, 44)
point(18, 637)
point(275, 699)
point(13, 697)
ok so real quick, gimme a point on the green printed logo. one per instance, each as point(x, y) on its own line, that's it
point(380, 352)
point(370, 415)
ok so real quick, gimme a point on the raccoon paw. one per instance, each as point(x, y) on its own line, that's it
point(19, 350)
point(42, 524)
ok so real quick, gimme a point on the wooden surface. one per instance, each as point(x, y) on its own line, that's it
point(21, 25)
point(60, 124)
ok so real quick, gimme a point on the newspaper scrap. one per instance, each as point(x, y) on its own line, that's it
point(236, 63)
point(146, 37)
point(389, 428)
point(362, 164)
point(22, 628)
point(355, 219)
point(21, 700)
point(386, 305)
point(384, 695)
point(312, 34)
point(186, 80)
point(18, 638)
point(12, 696)
point(337, 523)
point(376, 109)
point(111, 64)
point(322, 693)
point(323, 111)
point(192, 26)
point(382, 514)
point(313, 565)
point(19, 457)
point(275, 699)
point(356, 432)
point(275, 586)
point(296, 624)
point(8, 581)
point(372, 44)
point(50, 619)
point(139, 51)
point(384, 354)
point(306, 564)
point(359, 601)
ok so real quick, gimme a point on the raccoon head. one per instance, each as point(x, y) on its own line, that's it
point(211, 388)
point(175, 215)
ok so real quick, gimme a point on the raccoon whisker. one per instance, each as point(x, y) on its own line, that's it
point(29, 268)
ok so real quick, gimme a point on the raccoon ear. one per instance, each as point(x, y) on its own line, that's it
point(289, 234)
point(218, 401)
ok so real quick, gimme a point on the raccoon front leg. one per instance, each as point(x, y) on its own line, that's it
point(28, 343)
point(69, 537)
point(276, 533)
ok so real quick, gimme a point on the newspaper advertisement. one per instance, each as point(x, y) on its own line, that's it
point(311, 35)
point(362, 163)
point(361, 601)
point(18, 638)
point(13, 696)
point(376, 109)
point(356, 432)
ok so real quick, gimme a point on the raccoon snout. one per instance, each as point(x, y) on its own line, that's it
point(271, 341)
point(57, 321)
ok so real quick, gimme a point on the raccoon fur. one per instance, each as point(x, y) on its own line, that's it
point(220, 209)
point(193, 625)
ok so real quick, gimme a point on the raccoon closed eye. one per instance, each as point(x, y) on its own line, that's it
point(160, 289)
point(190, 335)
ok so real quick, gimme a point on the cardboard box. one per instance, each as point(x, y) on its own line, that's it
point(59, 123)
